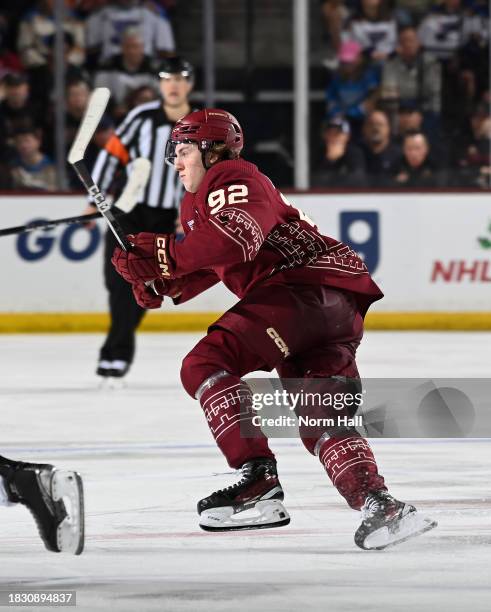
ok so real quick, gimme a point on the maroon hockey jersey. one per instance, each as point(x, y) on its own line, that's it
point(241, 230)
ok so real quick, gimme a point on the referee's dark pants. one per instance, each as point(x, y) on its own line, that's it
point(125, 313)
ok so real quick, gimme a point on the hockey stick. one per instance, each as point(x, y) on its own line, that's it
point(36, 225)
point(95, 109)
point(137, 181)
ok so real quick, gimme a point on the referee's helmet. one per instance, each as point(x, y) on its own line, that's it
point(176, 65)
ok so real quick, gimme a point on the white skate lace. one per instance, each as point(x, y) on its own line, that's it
point(227, 473)
point(370, 507)
point(237, 473)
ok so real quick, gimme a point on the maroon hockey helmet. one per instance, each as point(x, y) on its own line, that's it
point(205, 128)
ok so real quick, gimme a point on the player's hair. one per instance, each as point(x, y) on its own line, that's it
point(222, 153)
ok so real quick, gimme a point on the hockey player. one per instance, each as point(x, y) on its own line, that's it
point(302, 296)
point(54, 498)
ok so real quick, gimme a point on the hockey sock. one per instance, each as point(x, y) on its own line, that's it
point(351, 466)
point(227, 403)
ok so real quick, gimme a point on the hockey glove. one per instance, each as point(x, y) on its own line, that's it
point(147, 260)
point(152, 296)
point(146, 297)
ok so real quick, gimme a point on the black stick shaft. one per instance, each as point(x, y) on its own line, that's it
point(36, 225)
point(102, 205)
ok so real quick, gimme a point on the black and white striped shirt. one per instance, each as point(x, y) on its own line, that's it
point(144, 133)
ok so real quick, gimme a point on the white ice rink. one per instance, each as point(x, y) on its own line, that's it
point(146, 457)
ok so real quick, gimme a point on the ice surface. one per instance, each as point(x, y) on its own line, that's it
point(146, 457)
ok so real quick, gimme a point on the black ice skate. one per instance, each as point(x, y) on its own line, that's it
point(54, 498)
point(115, 369)
point(253, 503)
point(119, 368)
point(112, 373)
point(387, 521)
point(104, 368)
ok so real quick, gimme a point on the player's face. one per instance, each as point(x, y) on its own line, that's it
point(189, 165)
point(175, 89)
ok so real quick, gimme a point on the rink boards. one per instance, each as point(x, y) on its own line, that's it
point(430, 253)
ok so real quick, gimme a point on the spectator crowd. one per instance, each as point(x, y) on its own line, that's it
point(407, 100)
point(115, 43)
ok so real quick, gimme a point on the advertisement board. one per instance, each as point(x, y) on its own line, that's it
point(428, 252)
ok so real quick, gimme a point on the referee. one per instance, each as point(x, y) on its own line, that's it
point(144, 133)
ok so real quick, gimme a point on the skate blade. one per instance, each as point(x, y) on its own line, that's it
point(112, 383)
point(66, 486)
point(410, 526)
point(264, 515)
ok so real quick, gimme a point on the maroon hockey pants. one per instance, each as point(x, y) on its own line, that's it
point(309, 332)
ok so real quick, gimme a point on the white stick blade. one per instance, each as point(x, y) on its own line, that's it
point(95, 109)
point(137, 180)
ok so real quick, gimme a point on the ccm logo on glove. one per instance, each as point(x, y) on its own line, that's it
point(147, 259)
point(162, 255)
